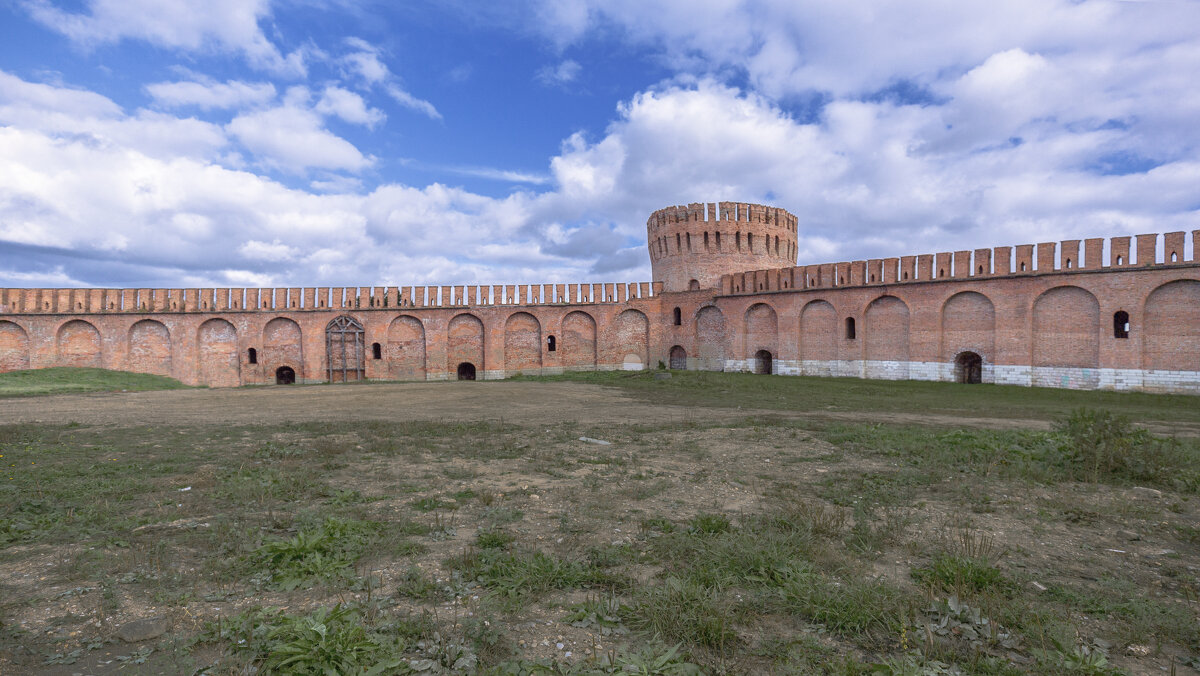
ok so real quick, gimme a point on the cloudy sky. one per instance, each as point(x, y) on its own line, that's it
point(358, 142)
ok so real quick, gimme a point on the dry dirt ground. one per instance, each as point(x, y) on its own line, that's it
point(64, 602)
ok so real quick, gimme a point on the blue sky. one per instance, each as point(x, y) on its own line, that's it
point(355, 142)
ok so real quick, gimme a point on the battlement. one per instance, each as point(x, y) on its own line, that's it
point(692, 246)
point(1140, 251)
point(731, 212)
point(91, 301)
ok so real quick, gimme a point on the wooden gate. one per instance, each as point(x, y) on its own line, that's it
point(344, 350)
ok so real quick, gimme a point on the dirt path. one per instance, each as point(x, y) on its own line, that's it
point(511, 401)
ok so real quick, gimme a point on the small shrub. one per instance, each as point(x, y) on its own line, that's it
point(494, 539)
point(683, 610)
point(329, 641)
point(321, 554)
point(1098, 446)
point(710, 524)
point(963, 575)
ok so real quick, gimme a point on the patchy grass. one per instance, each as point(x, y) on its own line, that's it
point(70, 380)
point(807, 393)
point(761, 544)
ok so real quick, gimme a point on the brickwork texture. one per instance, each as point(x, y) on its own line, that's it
point(726, 294)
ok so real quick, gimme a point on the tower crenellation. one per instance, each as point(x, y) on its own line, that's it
point(692, 246)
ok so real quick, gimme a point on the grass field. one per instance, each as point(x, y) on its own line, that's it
point(739, 538)
point(804, 393)
point(69, 380)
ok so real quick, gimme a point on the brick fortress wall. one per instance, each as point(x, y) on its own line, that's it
point(1119, 314)
point(229, 337)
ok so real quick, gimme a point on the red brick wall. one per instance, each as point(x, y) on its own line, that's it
point(465, 343)
point(281, 346)
point(522, 343)
point(405, 351)
point(150, 347)
point(1066, 326)
point(14, 347)
point(968, 325)
point(711, 342)
point(885, 327)
point(1172, 327)
point(217, 355)
point(762, 330)
point(78, 344)
point(577, 341)
point(818, 331)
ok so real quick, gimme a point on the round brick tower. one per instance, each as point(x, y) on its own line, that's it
point(692, 246)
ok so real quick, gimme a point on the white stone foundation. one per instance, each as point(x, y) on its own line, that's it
point(1074, 378)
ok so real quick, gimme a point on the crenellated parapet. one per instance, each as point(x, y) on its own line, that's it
point(1066, 257)
point(97, 301)
point(692, 246)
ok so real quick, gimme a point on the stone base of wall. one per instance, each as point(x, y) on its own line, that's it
point(1121, 380)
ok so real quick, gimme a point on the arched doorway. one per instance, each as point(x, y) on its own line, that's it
point(968, 368)
point(763, 362)
point(285, 375)
point(466, 371)
point(678, 359)
point(344, 350)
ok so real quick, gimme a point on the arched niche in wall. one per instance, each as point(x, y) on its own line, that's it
point(968, 324)
point(761, 325)
point(577, 347)
point(712, 342)
point(78, 344)
point(1066, 334)
point(14, 347)
point(406, 349)
point(631, 340)
point(283, 345)
point(522, 343)
point(149, 348)
point(465, 342)
point(818, 336)
point(886, 349)
point(217, 354)
point(1171, 328)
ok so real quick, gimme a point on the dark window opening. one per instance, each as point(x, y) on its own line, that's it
point(466, 371)
point(285, 375)
point(717, 239)
point(1121, 324)
point(1022, 267)
point(678, 359)
point(678, 321)
point(906, 276)
point(980, 268)
point(694, 285)
point(376, 351)
point(738, 236)
point(872, 278)
point(1069, 264)
point(968, 368)
point(252, 356)
point(850, 335)
point(763, 362)
point(551, 344)
point(706, 241)
point(941, 272)
point(750, 241)
point(678, 242)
